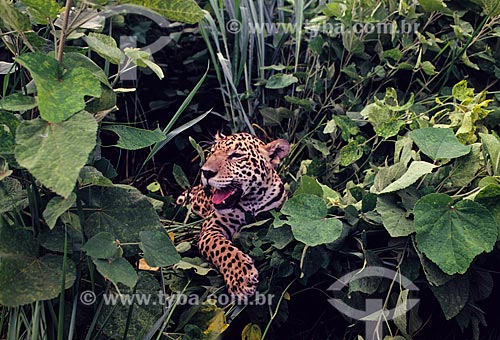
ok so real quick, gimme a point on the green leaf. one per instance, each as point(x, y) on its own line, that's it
point(8, 126)
point(24, 280)
point(428, 68)
point(306, 215)
point(101, 246)
point(198, 265)
point(143, 59)
point(158, 248)
point(395, 219)
point(280, 237)
point(17, 102)
point(432, 5)
point(280, 80)
point(180, 177)
point(120, 211)
point(105, 46)
point(452, 235)
point(416, 170)
point(60, 95)
point(350, 153)
point(385, 123)
point(309, 185)
point(489, 196)
point(43, 11)
point(13, 18)
point(186, 11)
point(73, 60)
point(131, 138)
point(465, 168)
point(15, 241)
point(492, 145)
point(117, 271)
point(138, 317)
point(91, 176)
point(439, 143)
point(461, 91)
point(56, 207)
point(55, 153)
point(452, 296)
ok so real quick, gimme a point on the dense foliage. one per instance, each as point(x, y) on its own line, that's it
point(392, 111)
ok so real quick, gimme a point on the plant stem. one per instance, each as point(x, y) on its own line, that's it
point(62, 38)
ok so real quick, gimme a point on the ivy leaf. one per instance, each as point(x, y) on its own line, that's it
point(439, 143)
point(60, 95)
point(280, 80)
point(416, 170)
point(452, 235)
point(55, 152)
point(117, 271)
point(158, 248)
point(306, 215)
point(56, 207)
point(131, 138)
point(105, 46)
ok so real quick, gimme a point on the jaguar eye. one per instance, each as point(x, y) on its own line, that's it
point(235, 155)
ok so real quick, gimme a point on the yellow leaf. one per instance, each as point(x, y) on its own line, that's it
point(287, 296)
point(251, 332)
point(217, 325)
point(171, 235)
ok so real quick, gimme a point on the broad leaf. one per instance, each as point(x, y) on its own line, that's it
point(131, 138)
point(138, 317)
point(42, 11)
point(306, 215)
point(452, 235)
point(56, 207)
point(117, 271)
point(432, 5)
point(350, 153)
point(452, 296)
point(416, 170)
point(17, 102)
point(492, 145)
point(395, 219)
point(465, 168)
point(489, 196)
point(15, 241)
point(55, 153)
point(143, 59)
point(60, 94)
point(439, 143)
point(121, 211)
point(13, 18)
point(158, 248)
point(105, 46)
point(8, 126)
point(25, 280)
point(280, 80)
point(186, 11)
point(101, 246)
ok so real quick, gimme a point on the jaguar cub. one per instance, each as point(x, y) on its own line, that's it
point(238, 177)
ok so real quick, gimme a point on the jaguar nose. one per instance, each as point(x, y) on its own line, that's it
point(208, 174)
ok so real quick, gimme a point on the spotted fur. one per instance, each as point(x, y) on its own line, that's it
point(242, 168)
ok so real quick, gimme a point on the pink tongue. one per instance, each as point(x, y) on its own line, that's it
point(220, 195)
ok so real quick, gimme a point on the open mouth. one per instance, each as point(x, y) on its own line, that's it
point(226, 198)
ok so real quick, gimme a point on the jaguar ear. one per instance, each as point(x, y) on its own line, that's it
point(277, 150)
